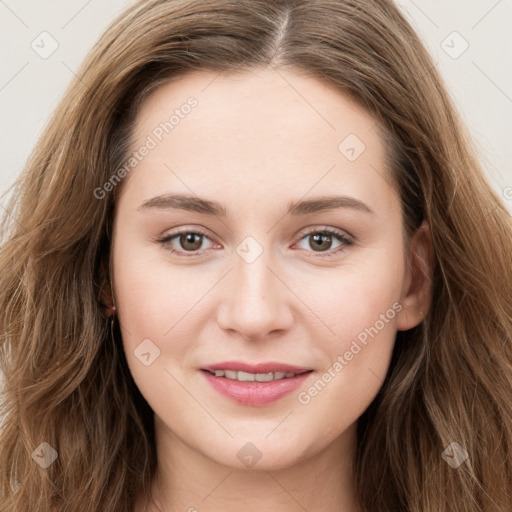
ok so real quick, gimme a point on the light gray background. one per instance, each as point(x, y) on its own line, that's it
point(479, 80)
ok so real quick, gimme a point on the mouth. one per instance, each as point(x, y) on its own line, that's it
point(255, 385)
point(254, 377)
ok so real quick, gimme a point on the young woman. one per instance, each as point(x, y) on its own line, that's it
point(253, 262)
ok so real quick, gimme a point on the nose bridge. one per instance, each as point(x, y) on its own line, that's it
point(254, 279)
point(254, 303)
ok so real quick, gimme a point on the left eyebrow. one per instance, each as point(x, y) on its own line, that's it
point(322, 203)
point(295, 208)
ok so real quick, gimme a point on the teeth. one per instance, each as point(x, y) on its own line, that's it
point(229, 374)
point(251, 377)
point(245, 377)
point(264, 377)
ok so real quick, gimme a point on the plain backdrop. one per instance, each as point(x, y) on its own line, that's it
point(42, 44)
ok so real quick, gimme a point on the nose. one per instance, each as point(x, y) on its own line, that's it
point(256, 300)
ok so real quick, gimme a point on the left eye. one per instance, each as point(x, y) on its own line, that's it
point(192, 241)
point(325, 237)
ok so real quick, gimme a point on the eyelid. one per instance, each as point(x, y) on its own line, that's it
point(333, 230)
point(166, 239)
point(345, 239)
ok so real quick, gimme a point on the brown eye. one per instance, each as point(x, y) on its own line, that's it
point(183, 242)
point(190, 241)
point(321, 241)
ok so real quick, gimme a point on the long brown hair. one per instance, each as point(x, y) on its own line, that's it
point(66, 381)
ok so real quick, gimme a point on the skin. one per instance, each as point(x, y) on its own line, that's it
point(255, 142)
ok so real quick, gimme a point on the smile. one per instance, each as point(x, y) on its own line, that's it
point(252, 377)
point(265, 384)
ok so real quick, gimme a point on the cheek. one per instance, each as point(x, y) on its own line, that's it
point(354, 299)
point(153, 296)
point(156, 308)
point(361, 308)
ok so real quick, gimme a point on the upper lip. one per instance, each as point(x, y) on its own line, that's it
point(267, 367)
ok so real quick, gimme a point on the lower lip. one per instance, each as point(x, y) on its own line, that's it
point(255, 393)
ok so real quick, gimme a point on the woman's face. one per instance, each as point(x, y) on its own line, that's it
point(252, 170)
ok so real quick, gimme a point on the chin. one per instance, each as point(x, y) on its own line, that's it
point(257, 454)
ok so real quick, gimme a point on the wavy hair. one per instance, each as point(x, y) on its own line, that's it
point(66, 380)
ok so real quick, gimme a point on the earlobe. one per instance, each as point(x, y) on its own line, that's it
point(106, 300)
point(417, 296)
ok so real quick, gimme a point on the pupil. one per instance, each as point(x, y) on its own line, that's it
point(189, 238)
point(318, 237)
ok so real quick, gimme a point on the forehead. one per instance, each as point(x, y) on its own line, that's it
point(256, 131)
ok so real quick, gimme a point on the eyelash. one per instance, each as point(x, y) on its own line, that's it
point(346, 242)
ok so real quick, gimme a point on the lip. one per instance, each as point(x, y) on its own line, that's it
point(240, 366)
point(254, 393)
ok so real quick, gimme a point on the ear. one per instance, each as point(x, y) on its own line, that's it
point(417, 290)
point(105, 295)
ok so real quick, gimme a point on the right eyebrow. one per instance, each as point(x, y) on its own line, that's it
point(184, 202)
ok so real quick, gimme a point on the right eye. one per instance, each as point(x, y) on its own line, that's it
point(189, 240)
